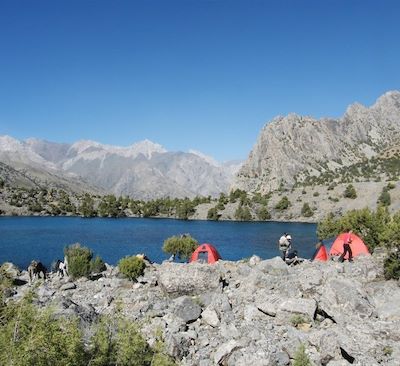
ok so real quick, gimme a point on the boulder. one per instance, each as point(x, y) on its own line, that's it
point(186, 309)
point(68, 286)
point(306, 307)
point(275, 266)
point(210, 317)
point(188, 279)
point(10, 269)
point(224, 351)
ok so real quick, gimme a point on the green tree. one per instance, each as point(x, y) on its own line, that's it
point(181, 246)
point(86, 208)
point(350, 192)
point(79, 260)
point(384, 198)
point(263, 213)
point(243, 213)
point(213, 214)
point(283, 204)
point(306, 210)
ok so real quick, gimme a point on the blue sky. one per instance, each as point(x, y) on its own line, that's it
point(201, 74)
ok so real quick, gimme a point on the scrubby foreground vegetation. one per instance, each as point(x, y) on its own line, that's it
point(31, 336)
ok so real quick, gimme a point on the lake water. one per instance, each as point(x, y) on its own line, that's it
point(44, 238)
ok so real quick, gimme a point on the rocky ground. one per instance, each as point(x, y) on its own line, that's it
point(248, 312)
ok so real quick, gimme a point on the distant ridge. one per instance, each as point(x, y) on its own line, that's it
point(144, 170)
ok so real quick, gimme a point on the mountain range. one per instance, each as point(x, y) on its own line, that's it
point(144, 170)
point(291, 151)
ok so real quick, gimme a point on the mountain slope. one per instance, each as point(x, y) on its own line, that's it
point(143, 170)
point(292, 150)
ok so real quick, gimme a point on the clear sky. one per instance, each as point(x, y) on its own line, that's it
point(201, 74)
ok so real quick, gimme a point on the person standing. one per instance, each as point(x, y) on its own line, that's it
point(284, 244)
point(346, 246)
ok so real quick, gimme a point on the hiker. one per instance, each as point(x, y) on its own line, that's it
point(34, 269)
point(285, 242)
point(292, 258)
point(346, 246)
point(61, 268)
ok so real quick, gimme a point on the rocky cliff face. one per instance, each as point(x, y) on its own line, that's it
point(248, 312)
point(292, 149)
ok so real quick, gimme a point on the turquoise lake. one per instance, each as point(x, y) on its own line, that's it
point(44, 238)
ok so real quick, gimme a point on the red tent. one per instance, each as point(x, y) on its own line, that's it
point(205, 253)
point(357, 246)
point(321, 254)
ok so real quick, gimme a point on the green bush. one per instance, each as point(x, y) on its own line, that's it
point(298, 319)
point(263, 214)
point(132, 267)
point(97, 265)
point(213, 214)
point(306, 210)
point(30, 337)
point(181, 246)
point(301, 358)
point(350, 192)
point(79, 260)
point(283, 204)
point(316, 194)
point(34, 337)
point(392, 266)
point(384, 198)
point(243, 213)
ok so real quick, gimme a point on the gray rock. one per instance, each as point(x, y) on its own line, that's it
point(210, 317)
point(68, 286)
point(186, 309)
point(254, 260)
point(224, 351)
point(189, 279)
point(305, 307)
point(275, 266)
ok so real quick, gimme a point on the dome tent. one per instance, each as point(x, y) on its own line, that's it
point(320, 254)
point(205, 253)
point(357, 246)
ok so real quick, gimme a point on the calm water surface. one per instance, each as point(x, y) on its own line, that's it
point(44, 238)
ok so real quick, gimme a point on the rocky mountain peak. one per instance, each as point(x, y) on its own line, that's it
point(289, 149)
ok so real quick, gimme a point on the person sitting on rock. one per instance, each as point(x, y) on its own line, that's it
point(346, 247)
point(284, 244)
point(292, 258)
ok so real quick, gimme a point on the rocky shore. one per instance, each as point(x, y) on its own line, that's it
point(244, 313)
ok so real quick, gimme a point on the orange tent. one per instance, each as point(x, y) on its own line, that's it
point(321, 254)
point(205, 253)
point(357, 246)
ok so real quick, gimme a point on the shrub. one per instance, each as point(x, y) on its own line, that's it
point(350, 192)
point(79, 260)
point(301, 358)
point(29, 336)
point(297, 319)
point(392, 266)
point(213, 214)
point(316, 194)
point(242, 213)
point(283, 204)
point(306, 210)
point(181, 246)
point(263, 214)
point(97, 265)
point(384, 198)
point(132, 267)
